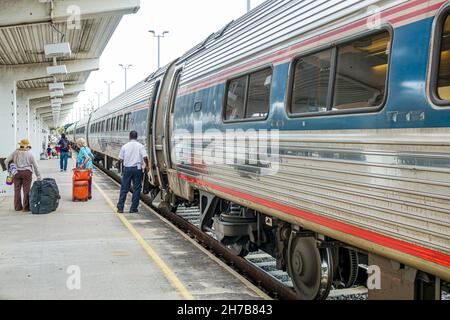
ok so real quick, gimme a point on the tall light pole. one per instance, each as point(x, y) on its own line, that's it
point(98, 98)
point(159, 44)
point(125, 68)
point(109, 83)
point(249, 5)
point(91, 106)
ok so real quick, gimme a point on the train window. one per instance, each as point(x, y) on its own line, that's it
point(126, 121)
point(311, 83)
point(120, 123)
point(362, 68)
point(443, 81)
point(113, 124)
point(248, 97)
point(258, 100)
point(108, 123)
point(102, 127)
point(235, 109)
point(347, 77)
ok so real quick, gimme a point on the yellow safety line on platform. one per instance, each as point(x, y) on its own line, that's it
point(246, 282)
point(233, 272)
point(168, 273)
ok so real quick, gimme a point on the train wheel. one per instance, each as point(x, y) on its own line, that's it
point(310, 268)
point(348, 268)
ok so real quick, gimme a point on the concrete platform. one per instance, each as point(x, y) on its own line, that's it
point(117, 256)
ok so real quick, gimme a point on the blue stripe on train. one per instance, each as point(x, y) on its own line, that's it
point(407, 95)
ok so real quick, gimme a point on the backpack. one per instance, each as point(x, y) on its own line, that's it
point(64, 144)
point(44, 197)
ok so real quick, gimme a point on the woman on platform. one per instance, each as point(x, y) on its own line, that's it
point(25, 165)
point(85, 161)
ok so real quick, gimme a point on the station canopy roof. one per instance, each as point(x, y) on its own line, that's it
point(27, 26)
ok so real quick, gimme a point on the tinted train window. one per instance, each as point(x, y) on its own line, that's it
point(259, 94)
point(113, 124)
point(102, 128)
point(126, 122)
point(119, 123)
point(443, 83)
point(311, 82)
point(248, 97)
point(235, 108)
point(361, 74)
point(108, 123)
point(350, 76)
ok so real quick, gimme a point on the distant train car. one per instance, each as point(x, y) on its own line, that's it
point(316, 131)
point(70, 132)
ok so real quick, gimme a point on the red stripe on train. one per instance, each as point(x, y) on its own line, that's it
point(289, 53)
point(399, 245)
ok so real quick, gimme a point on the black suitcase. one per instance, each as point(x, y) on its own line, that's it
point(44, 197)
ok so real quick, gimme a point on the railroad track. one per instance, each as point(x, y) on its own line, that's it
point(267, 263)
point(258, 267)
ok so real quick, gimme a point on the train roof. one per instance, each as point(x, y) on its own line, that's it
point(82, 122)
point(71, 127)
point(272, 23)
point(139, 93)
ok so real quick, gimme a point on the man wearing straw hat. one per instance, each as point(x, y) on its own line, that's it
point(26, 165)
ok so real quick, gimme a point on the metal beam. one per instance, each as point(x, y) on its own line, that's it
point(50, 114)
point(39, 70)
point(47, 104)
point(66, 107)
point(42, 93)
point(18, 12)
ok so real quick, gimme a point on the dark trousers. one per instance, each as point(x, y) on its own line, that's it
point(22, 181)
point(63, 158)
point(130, 175)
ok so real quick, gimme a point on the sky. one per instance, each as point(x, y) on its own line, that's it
point(188, 22)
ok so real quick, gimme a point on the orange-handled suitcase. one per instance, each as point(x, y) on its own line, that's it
point(81, 175)
point(80, 190)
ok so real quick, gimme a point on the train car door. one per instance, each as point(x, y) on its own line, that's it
point(153, 174)
point(159, 129)
point(179, 187)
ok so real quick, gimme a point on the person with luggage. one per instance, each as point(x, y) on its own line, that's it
point(133, 156)
point(64, 146)
point(25, 164)
point(85, 161)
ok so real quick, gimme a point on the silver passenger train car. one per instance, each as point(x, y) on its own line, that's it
point(336, 115)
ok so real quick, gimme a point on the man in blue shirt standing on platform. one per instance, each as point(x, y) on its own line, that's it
point(64, 153)
point(133, 155)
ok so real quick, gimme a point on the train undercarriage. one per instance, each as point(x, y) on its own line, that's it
point(315, 263)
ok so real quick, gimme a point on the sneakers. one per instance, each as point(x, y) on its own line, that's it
point(134, 211)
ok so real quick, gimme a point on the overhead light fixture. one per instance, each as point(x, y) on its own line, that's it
point(56, 86)
point(55, 70)
point(57, 50)
point(57, 94)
